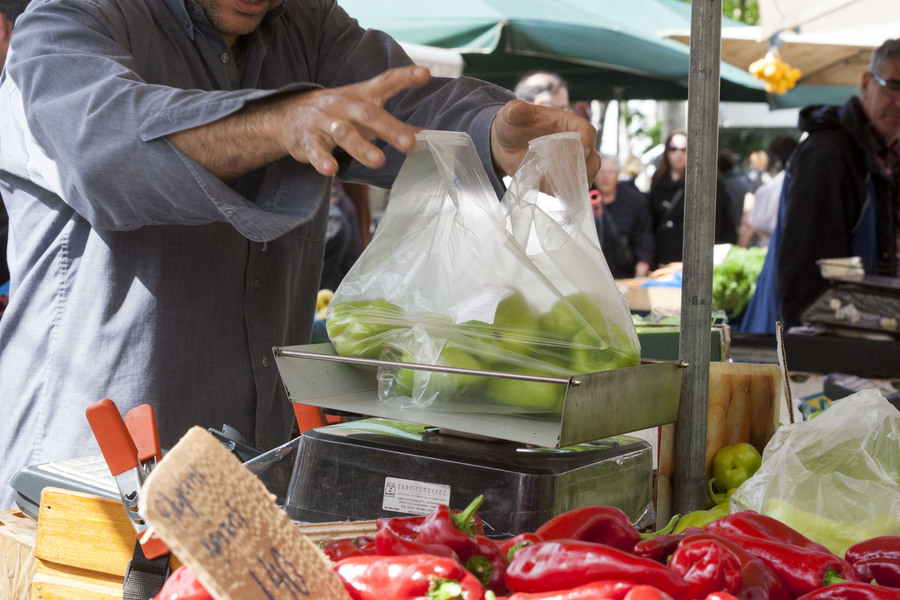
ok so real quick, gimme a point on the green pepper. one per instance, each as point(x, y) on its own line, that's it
point(702, 518)
point(733, 465)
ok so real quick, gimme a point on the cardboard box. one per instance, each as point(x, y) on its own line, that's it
point(645, 299)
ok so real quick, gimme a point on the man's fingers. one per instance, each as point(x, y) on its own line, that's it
point(350, 118)
point(394, 81)
point(519, 113)
point(346, 136)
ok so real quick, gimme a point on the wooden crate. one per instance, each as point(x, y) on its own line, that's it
point(17, 561)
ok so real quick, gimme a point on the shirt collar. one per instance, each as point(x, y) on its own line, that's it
point(188, 11)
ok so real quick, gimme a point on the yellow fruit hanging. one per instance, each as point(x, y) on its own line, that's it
point(778, 76)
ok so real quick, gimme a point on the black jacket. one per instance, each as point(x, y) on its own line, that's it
point(630, 214)
point(829, 176)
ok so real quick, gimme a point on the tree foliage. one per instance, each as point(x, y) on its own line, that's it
point(745, 11)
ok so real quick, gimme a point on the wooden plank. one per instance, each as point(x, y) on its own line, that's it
point(84, 532)
point(59, 582)
point(17, 561)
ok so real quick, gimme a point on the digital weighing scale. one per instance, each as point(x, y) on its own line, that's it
point(402, 461)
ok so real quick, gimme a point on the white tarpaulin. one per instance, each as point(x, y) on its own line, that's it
point(876, 19)
point(824, 58)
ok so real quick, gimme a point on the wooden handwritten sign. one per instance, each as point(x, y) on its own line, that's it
point(220, 520)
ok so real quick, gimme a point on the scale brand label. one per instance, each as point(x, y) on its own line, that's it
point(413, 497)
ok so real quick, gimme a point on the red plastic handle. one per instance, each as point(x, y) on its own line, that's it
point(141, 423)
point(112, 436)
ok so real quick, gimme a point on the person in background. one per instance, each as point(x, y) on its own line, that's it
point(667, 199)
point(732, 187)
point(760, 219)
point(167, 168)
point(840, 196)
point(9, 11)
point(631, 171)
point(624, 223)
point(756, 168)
point(544, 89)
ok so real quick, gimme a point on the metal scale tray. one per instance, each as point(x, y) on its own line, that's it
point(596, 406)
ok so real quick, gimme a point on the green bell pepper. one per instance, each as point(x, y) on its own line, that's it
point(733, 465)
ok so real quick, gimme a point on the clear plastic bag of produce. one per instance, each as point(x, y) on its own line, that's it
point(455, 278)
point(834, 478)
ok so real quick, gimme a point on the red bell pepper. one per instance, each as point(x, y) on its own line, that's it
point(456, 530)
point(646, 592)
point(708, 566)
point(565, 564)
point(509, 546)
point(410, 577)
point(756, 525)
point(608, 589)
point(721, 596)
point(389, 543)
point(604, 524)
point(408, 527)
point(853, 590)
point(343, 547)
point(877, 558)
point(661, 547)
point(182, 584)
point(760, 582)
point(802, 570)
point(489, 565)
point(405, 527)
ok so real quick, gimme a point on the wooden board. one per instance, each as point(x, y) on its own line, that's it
point(744, 406)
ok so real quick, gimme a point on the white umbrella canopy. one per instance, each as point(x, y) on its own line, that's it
point(830, 41)
point(878, 19)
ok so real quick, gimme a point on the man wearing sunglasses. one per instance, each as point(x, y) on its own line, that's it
point(840, 196)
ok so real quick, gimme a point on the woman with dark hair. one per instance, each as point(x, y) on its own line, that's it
point(667, 199)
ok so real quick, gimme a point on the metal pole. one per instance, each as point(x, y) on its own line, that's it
point(689, 486)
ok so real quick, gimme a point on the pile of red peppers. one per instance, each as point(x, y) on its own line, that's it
point(596, 553)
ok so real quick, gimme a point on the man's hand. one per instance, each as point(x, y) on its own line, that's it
point(519, 122)
point(307, 126)
point(350, 117)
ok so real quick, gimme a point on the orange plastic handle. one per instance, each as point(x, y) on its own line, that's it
point(141, 423)
point(112, 436)
point(153, 547)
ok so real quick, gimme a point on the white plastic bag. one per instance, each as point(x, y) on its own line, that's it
point(834, 478)
point(455, 278)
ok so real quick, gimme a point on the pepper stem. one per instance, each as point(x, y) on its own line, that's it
point(480, 567)
point(832, 576)
point(670, 526)
point(711, 493)
point(463, 519)
point(444, 589)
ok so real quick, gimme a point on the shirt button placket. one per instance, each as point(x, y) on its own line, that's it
point(225, 58)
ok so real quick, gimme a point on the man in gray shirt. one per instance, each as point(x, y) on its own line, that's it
point(166, 165)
